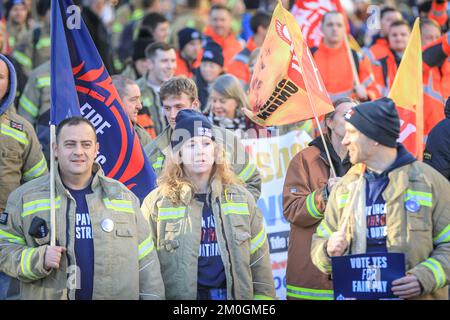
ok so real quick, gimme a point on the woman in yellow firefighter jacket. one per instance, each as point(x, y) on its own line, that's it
point(209, 234)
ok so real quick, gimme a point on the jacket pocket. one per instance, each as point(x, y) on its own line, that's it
point(419, 221)
point(241, 236)
point(241, 229)
point(10, 155)
point(170, 239)
point(124, 231)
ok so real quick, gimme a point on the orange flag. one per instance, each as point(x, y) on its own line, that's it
point(309, 15)
point(407, 93)
point(286, 86)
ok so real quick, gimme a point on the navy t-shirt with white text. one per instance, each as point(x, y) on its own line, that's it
point(84, 244)
point(211, 272)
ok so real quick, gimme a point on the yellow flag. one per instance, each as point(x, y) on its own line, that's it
point(286, 86)
point(407, 93)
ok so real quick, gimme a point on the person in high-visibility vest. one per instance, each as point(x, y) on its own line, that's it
point(103, 248)
point(204, 219)
point(334, 64)
point(388, 202)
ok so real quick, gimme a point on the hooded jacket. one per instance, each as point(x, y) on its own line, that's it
point(304, 200)
point(423, 236)
point(21, 157)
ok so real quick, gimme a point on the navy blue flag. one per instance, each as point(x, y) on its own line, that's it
point(81, 85)
point(366, 276)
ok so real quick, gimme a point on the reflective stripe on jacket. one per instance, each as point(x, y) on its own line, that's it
point(21, 158)
point(241, 237)
point(126, 264)
point(423, 236)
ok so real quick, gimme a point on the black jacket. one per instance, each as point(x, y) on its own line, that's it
point(100, 36)
point(437, 150)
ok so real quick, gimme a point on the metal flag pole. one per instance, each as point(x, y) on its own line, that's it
point(52, 188)
point(352, 62)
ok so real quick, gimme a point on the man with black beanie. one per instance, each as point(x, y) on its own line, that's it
point(211, 67)
point(388, 202)
point(189, 51)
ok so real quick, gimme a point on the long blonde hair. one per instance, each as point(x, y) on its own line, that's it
point(173, 178)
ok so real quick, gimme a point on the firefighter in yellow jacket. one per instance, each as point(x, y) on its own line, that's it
point(209, 234)
point(104, 248)
point(21, 158)
point(389, 203)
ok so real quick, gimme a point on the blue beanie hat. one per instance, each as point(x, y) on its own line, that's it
point(377, 119)
point(186, 35)
point(213, 52)
point(188, 124)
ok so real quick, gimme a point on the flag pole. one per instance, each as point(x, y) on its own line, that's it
point(352, 62)
point(312, 103)
point(52, 188)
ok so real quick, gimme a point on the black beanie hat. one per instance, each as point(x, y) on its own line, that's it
point(188, 124)
point(186, 35)
point(42, 7)
point(213, 52)
point(139, 45)
point(378, 120)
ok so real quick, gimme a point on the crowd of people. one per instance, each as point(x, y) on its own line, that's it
point(200, 234)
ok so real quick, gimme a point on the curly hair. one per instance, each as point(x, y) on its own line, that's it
point(173, 177)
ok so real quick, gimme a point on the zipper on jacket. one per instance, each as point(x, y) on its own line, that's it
point(226, 245)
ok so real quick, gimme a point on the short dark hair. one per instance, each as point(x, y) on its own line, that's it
point(73, 121)
point(399, 23)
point(219, 7)
point(150, 23)
point(386, 10)
point(150, 51)
point(260, 18)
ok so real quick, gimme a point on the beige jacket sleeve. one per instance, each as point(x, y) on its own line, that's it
point(29, 103)
point(17, 258)
point(151, 286)
point(34, 163)
point(260, 264)
point(434, 273)
point(324, 231)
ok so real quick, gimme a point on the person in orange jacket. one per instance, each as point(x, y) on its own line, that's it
point(386, 69)
point(433, 55)
point(239, 66)
point(379, 46)
point(435, 71)
point(332, 60)
point(438, 12)
point(219, 30)
point(189, 51)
